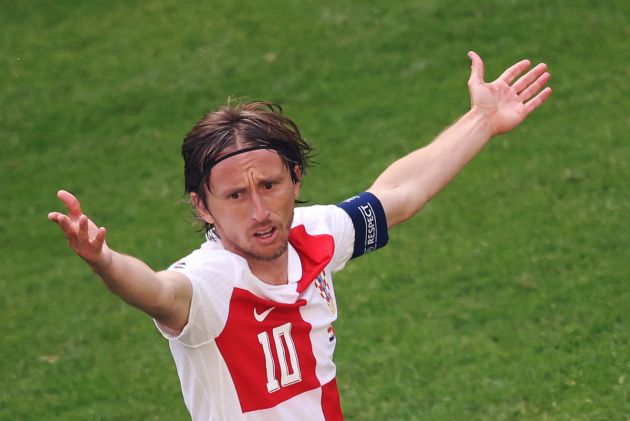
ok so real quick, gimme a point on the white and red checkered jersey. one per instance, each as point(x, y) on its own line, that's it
point(254, 351)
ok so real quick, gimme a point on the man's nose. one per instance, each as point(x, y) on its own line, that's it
point(259, 211)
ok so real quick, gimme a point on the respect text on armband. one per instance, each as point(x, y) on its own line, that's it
point(370, 227)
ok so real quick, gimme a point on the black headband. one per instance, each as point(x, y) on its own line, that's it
point(212, 163)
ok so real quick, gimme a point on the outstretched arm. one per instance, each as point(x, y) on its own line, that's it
point(496, 107)
point(164, 295)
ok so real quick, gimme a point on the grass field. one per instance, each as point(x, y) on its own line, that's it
point(506, 298)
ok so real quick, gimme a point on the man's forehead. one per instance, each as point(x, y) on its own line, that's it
point(246, 162)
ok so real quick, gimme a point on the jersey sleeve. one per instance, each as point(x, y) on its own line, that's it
point(358, 226)
point(212, 277)
point(342, 230)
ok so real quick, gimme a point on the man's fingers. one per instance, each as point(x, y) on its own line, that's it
point(83, 229)
point(534, 87)
point(66, 226)
point(71, 202)
point(99, 239)
point(536, 101)
point(476, 68)
point(512, 72)
point(84, 237)
point(53, 216)
point(529, 78)
point(64, 222)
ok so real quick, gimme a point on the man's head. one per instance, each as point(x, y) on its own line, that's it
point(244, 153)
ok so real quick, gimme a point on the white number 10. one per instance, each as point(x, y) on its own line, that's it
point(280, 334)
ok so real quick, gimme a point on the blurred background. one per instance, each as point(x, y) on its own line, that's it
point(506, 298)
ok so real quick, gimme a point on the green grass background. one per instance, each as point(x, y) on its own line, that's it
point(506, 298)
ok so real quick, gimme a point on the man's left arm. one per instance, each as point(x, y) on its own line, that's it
point(496, 107)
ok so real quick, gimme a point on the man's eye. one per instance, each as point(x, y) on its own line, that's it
point(268, 186)
point(235, 195)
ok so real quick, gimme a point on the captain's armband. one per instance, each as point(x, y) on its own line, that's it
point(370, 223)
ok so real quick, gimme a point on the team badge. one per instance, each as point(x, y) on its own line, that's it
point(324, 290)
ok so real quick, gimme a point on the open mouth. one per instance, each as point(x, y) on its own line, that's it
point(265, 233)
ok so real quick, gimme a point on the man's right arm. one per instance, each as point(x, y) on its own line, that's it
point(165, 295)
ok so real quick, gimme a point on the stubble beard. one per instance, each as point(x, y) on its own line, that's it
point(267, 257)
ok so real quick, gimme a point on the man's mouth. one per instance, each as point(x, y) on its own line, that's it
point(265, 233)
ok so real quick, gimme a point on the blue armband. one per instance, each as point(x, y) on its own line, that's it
point(370, 224)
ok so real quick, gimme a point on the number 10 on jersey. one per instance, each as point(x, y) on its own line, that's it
point(284, 345)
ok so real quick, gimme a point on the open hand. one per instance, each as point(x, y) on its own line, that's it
point(505, 103)
point(84, 237)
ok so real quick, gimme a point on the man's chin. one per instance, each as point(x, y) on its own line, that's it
point(265, 257)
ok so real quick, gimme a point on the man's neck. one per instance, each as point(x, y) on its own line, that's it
point(273, 272)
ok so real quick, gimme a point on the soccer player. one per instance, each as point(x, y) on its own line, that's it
point(249, 314)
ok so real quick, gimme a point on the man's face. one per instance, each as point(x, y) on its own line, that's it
point(250, 203)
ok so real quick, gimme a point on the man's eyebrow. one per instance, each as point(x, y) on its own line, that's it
point(234, 189)
point(271, 179)
point(221, 190)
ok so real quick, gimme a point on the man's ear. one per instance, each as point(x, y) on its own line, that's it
point(298, 184)
point(201, 208)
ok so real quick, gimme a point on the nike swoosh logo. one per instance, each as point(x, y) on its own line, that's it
point(262, 316)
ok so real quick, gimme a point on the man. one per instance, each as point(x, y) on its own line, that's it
point(249, 314)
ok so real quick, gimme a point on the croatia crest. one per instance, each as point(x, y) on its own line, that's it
point(324, 290)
